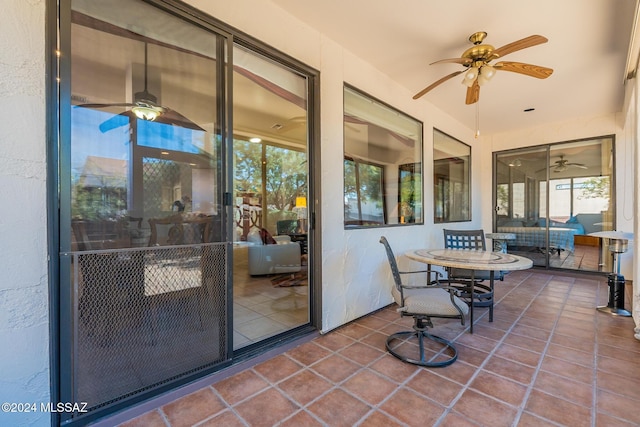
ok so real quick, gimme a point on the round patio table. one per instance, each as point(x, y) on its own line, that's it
point(471, 260)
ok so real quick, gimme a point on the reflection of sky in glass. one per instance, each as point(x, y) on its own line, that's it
point(88, 140)
point(166, 137)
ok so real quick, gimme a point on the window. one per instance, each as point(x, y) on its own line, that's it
point(382, 164)
point(451, 171)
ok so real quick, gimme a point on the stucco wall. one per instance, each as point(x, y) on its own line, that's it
point(24, 352)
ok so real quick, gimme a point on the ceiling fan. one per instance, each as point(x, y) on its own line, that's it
point(144, 107)
point(477, 69)
point(563, 164)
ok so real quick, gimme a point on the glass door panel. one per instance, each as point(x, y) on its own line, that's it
point(146, 249)
point(581, 200)
point(518, 201)
point(270, 175)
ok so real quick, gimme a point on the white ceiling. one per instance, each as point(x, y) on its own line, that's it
point(587, 48)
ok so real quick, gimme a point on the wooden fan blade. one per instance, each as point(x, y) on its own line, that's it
point(463, 61)
point(518, 45)
point(431, 86)
point(526, 69)
point(473, 93)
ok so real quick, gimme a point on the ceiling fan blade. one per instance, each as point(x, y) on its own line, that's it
point(433, 85)
point(115, 121)
point(473, 93)
point(463, 61)
point(577, 165)
point(518, 45)
point(526, 69)
point(168, 117)
point(172, 117)
point(124, 104)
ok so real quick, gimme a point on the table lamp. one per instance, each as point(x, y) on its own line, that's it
point(301, 208)
point(618, 243)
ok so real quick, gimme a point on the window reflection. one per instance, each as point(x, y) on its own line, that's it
point(451, 171)
point(382, 163)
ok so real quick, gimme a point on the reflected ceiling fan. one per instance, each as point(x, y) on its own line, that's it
point(144, 107)
point(563, 164)
point(476, 62)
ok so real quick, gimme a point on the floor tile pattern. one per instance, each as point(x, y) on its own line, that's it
point(548, 359)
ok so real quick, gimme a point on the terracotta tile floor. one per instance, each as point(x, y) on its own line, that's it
point(548, 359)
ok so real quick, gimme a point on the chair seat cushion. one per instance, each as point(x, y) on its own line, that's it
point(435, 302)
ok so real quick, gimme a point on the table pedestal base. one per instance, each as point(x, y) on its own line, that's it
point(616, 297)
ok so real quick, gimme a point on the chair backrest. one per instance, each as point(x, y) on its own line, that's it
point(464, 239)
point(392, 263)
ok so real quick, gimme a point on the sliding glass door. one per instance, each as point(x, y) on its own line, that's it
point(271, 250)
point(550, 198)
point(185, 238)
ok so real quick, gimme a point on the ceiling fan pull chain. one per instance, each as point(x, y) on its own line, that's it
point(477, 119)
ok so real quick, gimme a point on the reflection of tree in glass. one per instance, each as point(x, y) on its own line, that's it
point(362, 184)
point(503, 197)
point(247, 167)
point(286, 173)
point(595, 187)
point(410, 191)
point(98, 194)
point(286, 177)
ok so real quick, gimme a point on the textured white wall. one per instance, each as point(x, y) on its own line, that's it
point(632, 131)
point(24, 352)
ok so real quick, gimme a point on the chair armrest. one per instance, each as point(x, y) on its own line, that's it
point(438, 286)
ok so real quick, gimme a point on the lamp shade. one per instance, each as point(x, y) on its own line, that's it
point(301, 202)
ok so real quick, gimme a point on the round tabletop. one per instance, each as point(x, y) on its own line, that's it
point(471, 259)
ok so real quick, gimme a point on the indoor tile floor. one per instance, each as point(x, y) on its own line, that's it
point(548, 359)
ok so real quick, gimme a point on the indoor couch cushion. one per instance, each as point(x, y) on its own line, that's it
point(542, 222)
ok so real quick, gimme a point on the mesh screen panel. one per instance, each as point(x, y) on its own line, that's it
point(145, 316)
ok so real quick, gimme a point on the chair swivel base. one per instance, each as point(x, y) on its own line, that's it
point(448, 350)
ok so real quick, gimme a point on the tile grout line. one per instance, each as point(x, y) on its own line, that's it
point(465, 387)
point(530, 387)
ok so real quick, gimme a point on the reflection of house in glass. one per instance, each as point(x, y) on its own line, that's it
point(101, 190)
point(104, 172)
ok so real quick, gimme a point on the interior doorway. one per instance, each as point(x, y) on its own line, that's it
point(550, 198)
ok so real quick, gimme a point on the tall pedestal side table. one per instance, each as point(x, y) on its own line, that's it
point(618, 243)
